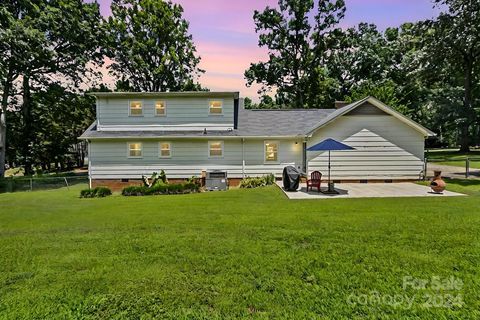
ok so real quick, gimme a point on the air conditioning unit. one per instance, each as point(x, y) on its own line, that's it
point(216, 180)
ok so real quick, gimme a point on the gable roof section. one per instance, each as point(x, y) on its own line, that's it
point(343, 111)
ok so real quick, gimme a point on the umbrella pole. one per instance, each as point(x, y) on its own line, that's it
point(329, 170)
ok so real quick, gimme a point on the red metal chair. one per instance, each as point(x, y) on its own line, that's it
point(315, 181)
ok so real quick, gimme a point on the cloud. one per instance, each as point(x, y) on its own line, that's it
point(224, 32)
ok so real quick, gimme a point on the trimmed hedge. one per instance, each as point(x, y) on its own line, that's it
point(255, 182)
point(160, 189)
point(98, 192)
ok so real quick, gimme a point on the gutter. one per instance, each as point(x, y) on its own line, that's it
point(191, 137)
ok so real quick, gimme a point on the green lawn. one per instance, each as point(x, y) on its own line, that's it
point(452, 157)
point(236, 254)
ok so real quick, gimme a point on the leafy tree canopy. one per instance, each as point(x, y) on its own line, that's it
point(151, 47)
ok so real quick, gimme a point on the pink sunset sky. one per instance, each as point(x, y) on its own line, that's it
point(224, 33)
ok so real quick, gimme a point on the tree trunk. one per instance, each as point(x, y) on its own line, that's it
point(27, 126)
point(3, 122)
point(468, 113)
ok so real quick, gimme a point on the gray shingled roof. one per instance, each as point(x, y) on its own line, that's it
point(261, 123)
point(279, 122)
point(251, 123)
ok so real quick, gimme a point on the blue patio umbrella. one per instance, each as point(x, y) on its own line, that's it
point(330, 145)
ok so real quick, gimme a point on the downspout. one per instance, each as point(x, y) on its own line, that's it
point(304, 157)
point(89, 166)
point(243, 157)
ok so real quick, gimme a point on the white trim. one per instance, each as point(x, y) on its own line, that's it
point(89, 165)
point(157, 127)
point(128, 150)
point(160, 149)
point(192, 137)
point(130, 109)
point(97, 112)
point(265, 161)
point(135, 171)
point(199, 94)
point(216, 114)
point(378, 104)
point(223, 149)
point(243, 158)
point(164, 108)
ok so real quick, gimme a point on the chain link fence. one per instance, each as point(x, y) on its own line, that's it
point(454, 167)
point(16, 184)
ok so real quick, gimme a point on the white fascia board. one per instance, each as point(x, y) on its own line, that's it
point(381, 106)
point(156, 127)
point(195, 137)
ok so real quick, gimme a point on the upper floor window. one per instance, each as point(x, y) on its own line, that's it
point(135, 150)
point(215, 149)
point(216, 107)
point(136, 108)
point(271, 151)
point(160, 108)
point(165, 150)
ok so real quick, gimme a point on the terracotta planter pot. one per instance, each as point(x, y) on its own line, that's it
point(437, 184)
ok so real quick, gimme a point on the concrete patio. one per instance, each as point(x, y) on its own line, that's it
point(369, 190)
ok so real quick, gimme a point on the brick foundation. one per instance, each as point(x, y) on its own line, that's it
point(118, 184)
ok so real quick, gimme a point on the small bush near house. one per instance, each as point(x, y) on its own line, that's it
point(161, 189)
point(255, 182)
point(98, 192)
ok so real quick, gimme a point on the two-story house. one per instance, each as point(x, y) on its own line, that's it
point(186, 133)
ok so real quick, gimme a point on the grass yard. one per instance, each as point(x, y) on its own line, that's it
point(237, 254)
point(452, 157)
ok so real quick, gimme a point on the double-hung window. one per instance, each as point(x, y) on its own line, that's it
point(135, 150)
point(215, 107)
point(165, 149)
point(160, 108)
point(215, 149)
point(271, 151)
point(136, 108)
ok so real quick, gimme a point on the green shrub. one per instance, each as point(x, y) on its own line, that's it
point(134, 191)
point(255, 182)
point(98, 192)
point(86, 193)
point(269, 179)
point(160, 189)
point(101, 192)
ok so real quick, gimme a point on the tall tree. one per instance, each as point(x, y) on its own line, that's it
point(61, 117)
point(151, 47)
point(453, 51)
point(354, 56)
point(292, 68)
point(61, 41)
point(14, 40)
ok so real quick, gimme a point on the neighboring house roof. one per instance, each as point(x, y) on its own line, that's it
point(264, 123)
point(339, 112)
point(183, 94)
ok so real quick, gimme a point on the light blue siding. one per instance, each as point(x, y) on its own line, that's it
point(115, 111)
point(189, 157)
